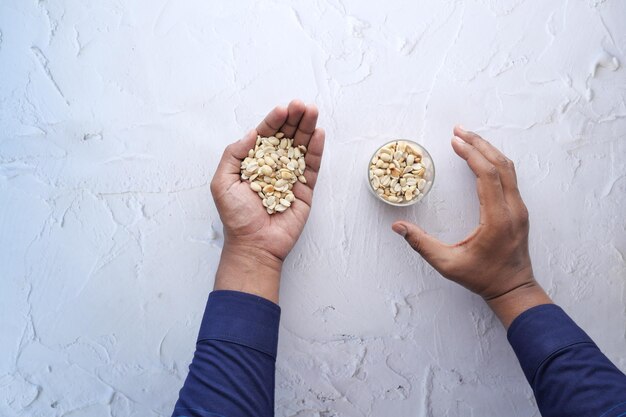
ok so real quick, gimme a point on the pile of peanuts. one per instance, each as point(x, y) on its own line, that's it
point(273, 167)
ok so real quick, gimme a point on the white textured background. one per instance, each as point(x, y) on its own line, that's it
point(113, 115)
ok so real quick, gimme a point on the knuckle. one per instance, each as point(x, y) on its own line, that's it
point(492, 172)
point(523, 216)
point(503, 222)
point(213, 187)
point(503, 161)
point(511, 164)
point(524, 211)
point(480, 144)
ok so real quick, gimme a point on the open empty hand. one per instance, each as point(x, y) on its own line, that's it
point(493, 261)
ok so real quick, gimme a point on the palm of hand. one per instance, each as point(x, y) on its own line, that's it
point(246, 222)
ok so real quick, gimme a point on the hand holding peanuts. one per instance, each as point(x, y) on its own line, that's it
point(255, 242)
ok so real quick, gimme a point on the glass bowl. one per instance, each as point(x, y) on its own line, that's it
point(405, 146)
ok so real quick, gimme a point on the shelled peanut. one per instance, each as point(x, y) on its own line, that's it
point(272, 168)
point(396, 172)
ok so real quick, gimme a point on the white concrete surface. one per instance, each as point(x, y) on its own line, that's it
point(113, 115)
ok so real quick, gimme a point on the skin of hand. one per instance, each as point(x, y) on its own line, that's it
point(493, 261)
point(255, 242)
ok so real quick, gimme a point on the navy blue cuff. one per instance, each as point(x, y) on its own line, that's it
point(241, 318)
point(618, 411)
point(540, 332)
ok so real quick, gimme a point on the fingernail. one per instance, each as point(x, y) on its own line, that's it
point(400, 229)
point(461, 128)
point(459, 140)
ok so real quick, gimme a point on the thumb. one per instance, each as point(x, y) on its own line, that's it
point(228, 169)
point(430, 248)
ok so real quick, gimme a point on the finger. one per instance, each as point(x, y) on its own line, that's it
point(432, 250)
point(273, 121)
point(296, 110)
point(303, 193)
point(306, 127)
point(490, 194)
point(313, 160)
point(505, 166)
point(229, 167)
point(313, 157)
point(298, 213)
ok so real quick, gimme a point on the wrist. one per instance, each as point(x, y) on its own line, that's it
point(247, 268)
point(511, 304)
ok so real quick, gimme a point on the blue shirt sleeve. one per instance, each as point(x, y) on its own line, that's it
point(232, 371)
point(566, 370)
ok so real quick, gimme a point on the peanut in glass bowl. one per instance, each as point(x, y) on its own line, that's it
point(395, 178)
